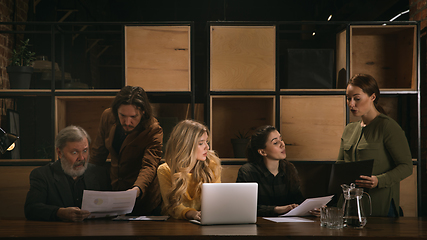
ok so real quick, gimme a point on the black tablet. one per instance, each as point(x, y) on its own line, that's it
point(346, 173)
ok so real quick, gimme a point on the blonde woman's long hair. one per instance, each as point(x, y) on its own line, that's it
point(180, 155)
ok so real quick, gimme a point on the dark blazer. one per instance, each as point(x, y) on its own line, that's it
point(49, 190)
point(137, 162)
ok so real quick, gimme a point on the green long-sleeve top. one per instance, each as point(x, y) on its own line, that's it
point(384, 141)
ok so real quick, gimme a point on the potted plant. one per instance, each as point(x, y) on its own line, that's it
point(239, 144)
point(19, 69)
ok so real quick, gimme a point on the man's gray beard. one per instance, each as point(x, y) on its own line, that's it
point(68, 168)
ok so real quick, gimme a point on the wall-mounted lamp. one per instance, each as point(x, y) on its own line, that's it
point(7, 141)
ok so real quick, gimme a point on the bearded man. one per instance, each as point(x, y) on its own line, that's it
point(56, 189)
point(132, 138)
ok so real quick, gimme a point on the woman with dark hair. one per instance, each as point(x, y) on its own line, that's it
point(278, 182)
point(376, 136)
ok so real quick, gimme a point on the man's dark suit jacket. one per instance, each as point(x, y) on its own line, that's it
point(50, 190)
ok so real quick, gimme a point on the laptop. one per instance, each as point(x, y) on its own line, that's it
point(228, 203)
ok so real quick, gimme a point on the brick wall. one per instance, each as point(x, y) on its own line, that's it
point(10, 11)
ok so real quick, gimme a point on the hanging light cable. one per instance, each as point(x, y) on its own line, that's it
point(398, 15)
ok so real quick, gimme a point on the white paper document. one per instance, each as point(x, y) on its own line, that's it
point(107, 204)
point(309, 204)
point(287, 219)
point(140, 218)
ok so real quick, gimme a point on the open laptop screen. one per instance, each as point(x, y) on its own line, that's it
point(229, 203)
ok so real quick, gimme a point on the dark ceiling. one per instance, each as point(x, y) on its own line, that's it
point(217, 10)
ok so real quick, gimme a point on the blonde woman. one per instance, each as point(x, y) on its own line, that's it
point(189, 164)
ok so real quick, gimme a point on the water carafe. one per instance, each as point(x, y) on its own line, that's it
point(354, 215)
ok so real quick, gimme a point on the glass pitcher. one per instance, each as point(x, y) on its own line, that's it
point(354, 215)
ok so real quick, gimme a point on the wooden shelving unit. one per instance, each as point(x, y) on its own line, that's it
point(247, 82)
point(242, 58)
point(311, 119)
point(158, 57)
point(84, 112)
point(155, 56)
point(387, 52)
point(233, 114)
point(311, 126)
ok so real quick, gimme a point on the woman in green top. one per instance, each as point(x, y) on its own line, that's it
point(376, 137)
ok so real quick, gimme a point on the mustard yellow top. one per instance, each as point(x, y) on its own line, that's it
point(189, 201)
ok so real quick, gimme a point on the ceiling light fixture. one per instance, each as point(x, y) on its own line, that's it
point(329, 18)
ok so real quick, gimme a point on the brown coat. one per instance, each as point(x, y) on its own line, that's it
point(136, 163)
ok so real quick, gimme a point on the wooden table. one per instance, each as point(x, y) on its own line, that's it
point(376, 228)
